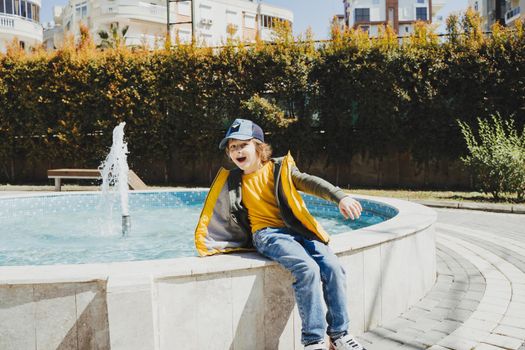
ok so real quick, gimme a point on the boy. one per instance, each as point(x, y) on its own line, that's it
point(258, 203)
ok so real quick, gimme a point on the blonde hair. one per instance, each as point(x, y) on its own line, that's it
point(263, 150)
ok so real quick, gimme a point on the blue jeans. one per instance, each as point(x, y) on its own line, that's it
point(310, 262)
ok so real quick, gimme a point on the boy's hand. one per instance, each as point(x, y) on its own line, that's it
point(350, 208)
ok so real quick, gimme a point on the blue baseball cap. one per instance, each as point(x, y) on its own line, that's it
point(242, 129)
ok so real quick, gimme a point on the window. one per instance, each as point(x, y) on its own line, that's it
point(2, 9)
point(269, 21)
point(17, 7)
point(365, 29)
point(35, 11)
point(476, 6)
point(81, 10)
point(9, 6)
point(420, 1)
point(421, 13)
point(23, 11)
point(249, 20)
point(362, 15)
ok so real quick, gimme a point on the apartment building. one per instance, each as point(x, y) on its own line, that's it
point(20, 19)
point(213, 20)
point(401, 15)
point(506, 12)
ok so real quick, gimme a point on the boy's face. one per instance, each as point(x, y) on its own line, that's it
point(244, 155)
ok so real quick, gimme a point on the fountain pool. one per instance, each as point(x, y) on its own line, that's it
point(72, 228)
point(153, 293)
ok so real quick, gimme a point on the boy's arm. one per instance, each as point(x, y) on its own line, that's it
point(318, 187)
point(349, 207)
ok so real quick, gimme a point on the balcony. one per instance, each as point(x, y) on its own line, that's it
point(136, 10)
point(11, 25)
point(512, 15)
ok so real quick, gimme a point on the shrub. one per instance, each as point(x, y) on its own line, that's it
point(497, 156)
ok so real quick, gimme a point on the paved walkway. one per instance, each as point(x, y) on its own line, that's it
point(478, 301)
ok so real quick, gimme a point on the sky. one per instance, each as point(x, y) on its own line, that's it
point(316, 14)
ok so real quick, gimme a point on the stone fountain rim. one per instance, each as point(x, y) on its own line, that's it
point(411, 219)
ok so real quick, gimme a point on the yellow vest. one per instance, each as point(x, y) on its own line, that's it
point(218, 232)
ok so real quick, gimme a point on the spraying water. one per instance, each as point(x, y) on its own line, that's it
point(114, 171)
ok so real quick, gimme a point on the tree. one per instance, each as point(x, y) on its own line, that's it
point(114, 39)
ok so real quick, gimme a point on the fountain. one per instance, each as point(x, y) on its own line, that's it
point(114, 170)
point(64, 286)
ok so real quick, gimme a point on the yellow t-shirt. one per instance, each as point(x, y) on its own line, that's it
point(259, 198)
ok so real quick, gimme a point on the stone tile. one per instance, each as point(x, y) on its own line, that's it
point(248, 311)
point(92, 316)
point(447, 326)
point(450, 303)
point(484, 315)
point(495, 301)
point(474, 295)
point(384, 344)
point(430, 338)
point(493, 308)
point(503, 341)
point(459, 315)
point(477, 287)
point(411, 346)
point(510, 331)
point(17, 317)
point(55, 316)
point(398, 324)
point(354, 267)
point(438, 314)
point(279, 303)
point(457, 343)
point(130, 330)
point(469, 305)
point(427, 304)
point(516, 310)
point(461, 286)
point(425, 324)
point(488, 325)
point(487, 347)
point(394, 284)
point(473, 334)
point(513, 321)
point(372, 288)
point(416, 313)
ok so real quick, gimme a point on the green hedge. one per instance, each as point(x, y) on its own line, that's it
point(350, 95)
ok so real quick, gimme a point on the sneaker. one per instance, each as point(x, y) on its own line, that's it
point(346, 342)
point(320, 345)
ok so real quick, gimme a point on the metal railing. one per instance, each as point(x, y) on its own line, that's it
point(13, 17)
point(7, 22)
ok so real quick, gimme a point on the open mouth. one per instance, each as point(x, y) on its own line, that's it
point(241, 159)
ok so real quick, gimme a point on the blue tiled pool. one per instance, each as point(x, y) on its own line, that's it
point(79, 228)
